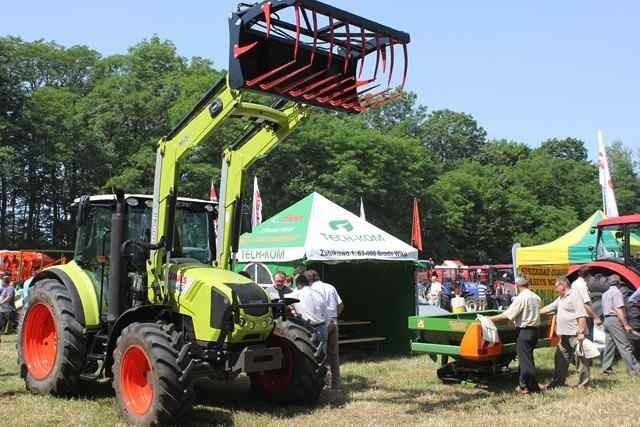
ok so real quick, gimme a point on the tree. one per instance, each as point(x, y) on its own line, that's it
point(626, 180)
point(502, 152)
point(401, 114)
point(343, 158)
point(564, 149)
point(450, 136)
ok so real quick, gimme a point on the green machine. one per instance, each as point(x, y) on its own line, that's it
point(459, 337)
point(150, 301)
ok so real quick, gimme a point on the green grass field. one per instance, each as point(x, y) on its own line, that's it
point(400, 391)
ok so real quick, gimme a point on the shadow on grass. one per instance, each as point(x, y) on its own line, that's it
point(237, 396)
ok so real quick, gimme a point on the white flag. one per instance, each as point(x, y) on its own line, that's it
point(256, 207)
point(364, 218)
point(606, 183)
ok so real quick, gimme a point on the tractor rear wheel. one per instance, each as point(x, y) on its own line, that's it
point(301, 378)
point(51, 341)
point(149, 383)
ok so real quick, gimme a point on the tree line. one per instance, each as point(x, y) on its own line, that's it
point(74, 122)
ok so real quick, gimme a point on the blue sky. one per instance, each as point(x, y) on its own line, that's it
point(525, 70)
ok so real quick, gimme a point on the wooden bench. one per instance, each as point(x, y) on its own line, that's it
point(376, 340)
point(353, 323)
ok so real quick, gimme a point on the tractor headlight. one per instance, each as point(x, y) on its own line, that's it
point(242, 321)
point(265, 323)
point(251, 325)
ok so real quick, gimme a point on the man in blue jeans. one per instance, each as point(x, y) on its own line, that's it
point(616, 328)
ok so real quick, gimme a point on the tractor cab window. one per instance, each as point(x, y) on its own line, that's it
point(611, 243)
point(93, 237)
point(194, 234)
point(634, 246)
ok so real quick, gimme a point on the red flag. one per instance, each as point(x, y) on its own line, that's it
point(212, 193)
point(416, 229)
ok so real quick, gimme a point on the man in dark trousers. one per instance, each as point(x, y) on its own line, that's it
point(616, 328)
point(571, 328)
point(524, 312)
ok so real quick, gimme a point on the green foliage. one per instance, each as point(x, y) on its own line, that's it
point(73, 122)
point(564, 149)
point(451, 136)
point(625, 178)
point(501, 152)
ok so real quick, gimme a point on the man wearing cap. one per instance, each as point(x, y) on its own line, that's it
point(616, 328)
point(524, 312)
point(571, 327)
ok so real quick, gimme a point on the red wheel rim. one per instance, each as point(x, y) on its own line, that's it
point(278, 381)
point(137, 391)
point(40, 341)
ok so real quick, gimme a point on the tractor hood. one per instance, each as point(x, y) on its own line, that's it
point(205, 294)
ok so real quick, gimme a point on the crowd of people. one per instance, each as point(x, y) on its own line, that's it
point(319, 305)
point(575, 318)
point(454, 296)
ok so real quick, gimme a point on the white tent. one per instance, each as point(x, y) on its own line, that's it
point(316, 229)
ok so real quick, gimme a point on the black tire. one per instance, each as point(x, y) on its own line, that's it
point(301, 379)
point(70, 339)
point(171, 399)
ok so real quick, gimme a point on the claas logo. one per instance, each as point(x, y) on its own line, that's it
point(338, 224)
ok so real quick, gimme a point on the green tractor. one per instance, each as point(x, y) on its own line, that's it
point(150, 301)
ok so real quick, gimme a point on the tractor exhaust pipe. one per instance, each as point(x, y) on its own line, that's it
point(117, 280)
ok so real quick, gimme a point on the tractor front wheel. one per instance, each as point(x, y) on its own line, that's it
point(51, 341)
point(301, 378)
point(149, 383)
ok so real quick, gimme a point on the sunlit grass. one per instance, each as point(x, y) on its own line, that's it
point(399, 391)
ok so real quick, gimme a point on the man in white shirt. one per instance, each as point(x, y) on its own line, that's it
point(435, 290)
point(334, 309)
point(311, 308)
point(524, 312)
point(580, 285)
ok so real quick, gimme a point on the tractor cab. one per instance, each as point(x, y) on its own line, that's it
point(194, 240)
point(618, 240)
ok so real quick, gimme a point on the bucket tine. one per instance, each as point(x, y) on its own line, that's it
point(311, 87)
point(375, 72)
point(327, 88)
point(331, 42)
point(286, 77)
point(362, 52)
point(284, 66)
point(406, 66)
point(347, 51)
point(266, 9)
point(390, 62)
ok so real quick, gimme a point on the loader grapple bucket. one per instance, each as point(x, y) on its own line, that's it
point(313, 53)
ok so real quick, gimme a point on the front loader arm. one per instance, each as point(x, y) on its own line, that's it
point(238, 158)
point(218, 104)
